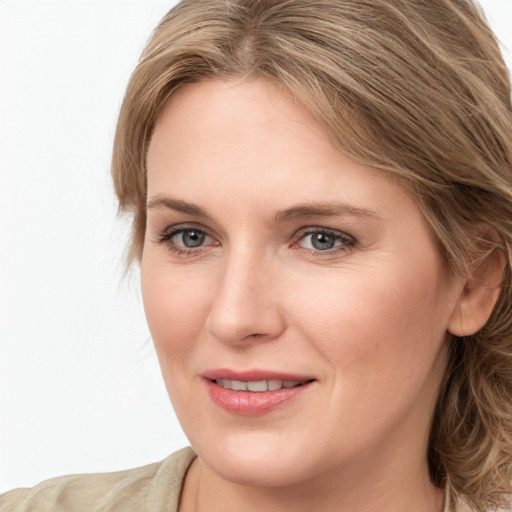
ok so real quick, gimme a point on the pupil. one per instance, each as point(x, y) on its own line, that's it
point(192, 238)
point(322, 241)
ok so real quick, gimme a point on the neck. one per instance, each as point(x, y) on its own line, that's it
point(388, 491)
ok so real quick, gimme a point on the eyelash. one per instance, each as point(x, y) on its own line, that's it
point(169, 233)
point(347, 242)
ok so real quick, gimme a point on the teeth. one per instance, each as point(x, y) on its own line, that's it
point(257, 386)
point(225, 383)
point(274, 385)
point(236, 385)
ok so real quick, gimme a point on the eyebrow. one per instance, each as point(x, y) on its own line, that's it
point(331, 209)
point(177, 205)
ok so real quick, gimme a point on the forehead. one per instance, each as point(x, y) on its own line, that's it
point(251, 141)
point(234, 114)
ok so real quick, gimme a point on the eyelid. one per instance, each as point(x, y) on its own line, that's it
point(183, 226)
point(348, 241)
point(167, 234)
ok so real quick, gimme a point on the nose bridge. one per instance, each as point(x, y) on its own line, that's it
point(243, 304)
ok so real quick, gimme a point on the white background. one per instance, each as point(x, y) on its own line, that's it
point(80, 387)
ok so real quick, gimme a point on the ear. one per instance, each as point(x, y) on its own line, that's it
point(481, 288)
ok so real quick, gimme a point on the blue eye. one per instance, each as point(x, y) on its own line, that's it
point(181, 239)
point(191, 237)
point(324, 240)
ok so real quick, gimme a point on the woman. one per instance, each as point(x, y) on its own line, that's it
point(322, 199)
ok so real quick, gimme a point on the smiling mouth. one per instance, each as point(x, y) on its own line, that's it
point(259, 386)
point(253, 394)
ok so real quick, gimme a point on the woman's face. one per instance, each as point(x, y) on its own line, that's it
point(310, 284)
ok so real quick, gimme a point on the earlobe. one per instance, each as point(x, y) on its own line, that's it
point(479, 293)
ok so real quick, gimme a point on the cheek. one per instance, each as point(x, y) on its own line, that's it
point(376, 325)
point(175, 309)
point(382, 337)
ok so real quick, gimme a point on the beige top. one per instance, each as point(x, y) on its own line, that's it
point(152, 488)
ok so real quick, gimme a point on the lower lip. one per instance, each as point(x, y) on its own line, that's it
point(247, 403)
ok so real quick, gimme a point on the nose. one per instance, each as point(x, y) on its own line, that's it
point(245, 304)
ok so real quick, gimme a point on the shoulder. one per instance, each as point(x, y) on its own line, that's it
point(154, 487)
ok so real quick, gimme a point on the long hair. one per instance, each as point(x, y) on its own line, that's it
point(415, 88)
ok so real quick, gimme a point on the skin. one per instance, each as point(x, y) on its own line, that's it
point(369, 319)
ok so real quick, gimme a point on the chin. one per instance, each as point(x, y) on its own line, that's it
point(258, 472)
point(252, 459)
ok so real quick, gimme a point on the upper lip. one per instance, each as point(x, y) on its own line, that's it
point(254, 375)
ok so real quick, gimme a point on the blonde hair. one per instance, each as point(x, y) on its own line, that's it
point(417, 89)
